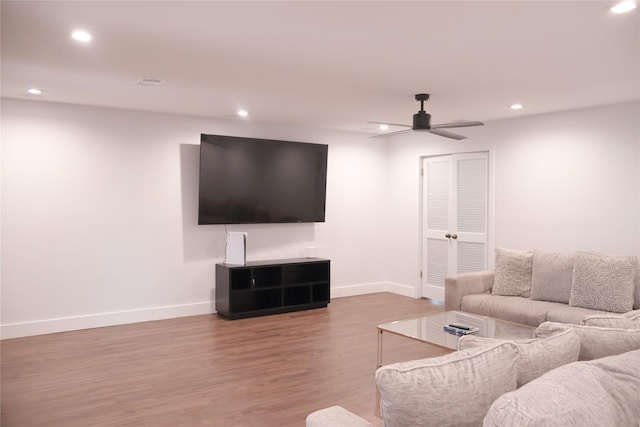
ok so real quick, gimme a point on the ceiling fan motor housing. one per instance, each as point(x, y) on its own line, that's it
point(421, 121)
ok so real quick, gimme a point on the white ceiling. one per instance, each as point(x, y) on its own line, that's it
point(324, 64)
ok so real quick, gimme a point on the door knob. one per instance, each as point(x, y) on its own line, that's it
point(454, 236)
point(448, 235)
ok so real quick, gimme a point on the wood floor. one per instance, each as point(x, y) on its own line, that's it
point(207, 371)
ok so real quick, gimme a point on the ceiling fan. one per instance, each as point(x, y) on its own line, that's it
point(422, 122)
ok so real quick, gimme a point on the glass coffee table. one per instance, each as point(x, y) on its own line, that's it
point(429, 329)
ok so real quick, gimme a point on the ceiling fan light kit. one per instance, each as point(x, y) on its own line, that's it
point(422, 122)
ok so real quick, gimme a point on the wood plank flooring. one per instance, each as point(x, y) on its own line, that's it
point(207, 371)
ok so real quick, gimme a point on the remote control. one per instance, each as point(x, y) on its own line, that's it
point(459, 332)
point(466, 328)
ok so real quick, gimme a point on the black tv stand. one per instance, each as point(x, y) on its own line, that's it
point(260, 288)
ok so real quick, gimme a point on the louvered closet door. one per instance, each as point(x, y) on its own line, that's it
point(454, 218)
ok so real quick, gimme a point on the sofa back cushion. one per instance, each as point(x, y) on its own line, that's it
point(536, 356)
point(601, 392)
point(512, 273)
point(595, 342)
point(603, 282)
point(428, 392)
point(551, 276)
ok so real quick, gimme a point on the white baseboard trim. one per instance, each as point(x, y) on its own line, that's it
point(434, 292)
point(372, 288)
point(50, 326)
point(407, 291)
point(352, 290)
point(65, 324)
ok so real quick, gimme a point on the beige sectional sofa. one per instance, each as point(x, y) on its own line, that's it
point(531, 287)
point(582, 369)
point(569, 375)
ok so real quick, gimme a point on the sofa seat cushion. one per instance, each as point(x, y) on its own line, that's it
point(513, 309)
point(536, 356)
point(601, 392)
point(595, 342)
point(574, 315)
point(630, 320)
point(452, 390)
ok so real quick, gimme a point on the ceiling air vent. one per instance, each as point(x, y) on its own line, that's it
point(149, 82)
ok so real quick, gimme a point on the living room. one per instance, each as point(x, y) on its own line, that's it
point(99, 204)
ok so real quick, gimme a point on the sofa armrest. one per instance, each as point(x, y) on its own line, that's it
point(459, 285)
point(335, 416)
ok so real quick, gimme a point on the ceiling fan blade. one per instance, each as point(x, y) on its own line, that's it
point(456, 125)
point(391, 133)
point(390, 124)
point(446, 134)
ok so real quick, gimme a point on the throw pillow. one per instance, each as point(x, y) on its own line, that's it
point(430, 391)
point(538, 355)
point(595, 342)
point(513, 273)
point(602, 392)
point(630, 320)
point(551, 276)
point(603, 282)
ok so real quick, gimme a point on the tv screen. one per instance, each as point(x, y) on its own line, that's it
point(254, 181)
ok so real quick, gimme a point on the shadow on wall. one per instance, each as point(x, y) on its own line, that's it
point(207, 242)
point(198, 242)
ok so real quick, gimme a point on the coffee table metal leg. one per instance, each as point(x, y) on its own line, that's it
point(379, 348)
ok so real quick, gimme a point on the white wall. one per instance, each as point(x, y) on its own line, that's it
point(99, 213)
point(572, 181)
point(564, 181)
point(99, 206)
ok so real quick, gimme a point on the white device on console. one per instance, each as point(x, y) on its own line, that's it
point(236, 249)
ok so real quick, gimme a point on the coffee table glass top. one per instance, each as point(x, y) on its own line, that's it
point(430, 328)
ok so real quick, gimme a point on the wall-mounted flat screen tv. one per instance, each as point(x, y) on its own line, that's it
point(257, 181)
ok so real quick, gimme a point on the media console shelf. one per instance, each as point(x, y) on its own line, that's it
point(270, 287)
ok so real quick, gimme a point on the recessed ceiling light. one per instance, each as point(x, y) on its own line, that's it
point(383, 127)
point(624, 6)
point(34, 91)
point(81, 36)
point(243, 113)
point(516, 107)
